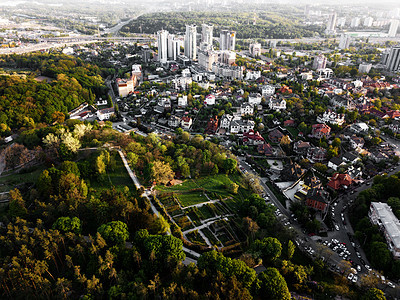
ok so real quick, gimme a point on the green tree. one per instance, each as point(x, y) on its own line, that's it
point(68, 224)
point(229, 165)
point(17, 204)
point(291, 249)
point(269, 248)
point(374, 294)
point(274, 285)
point(115, 232)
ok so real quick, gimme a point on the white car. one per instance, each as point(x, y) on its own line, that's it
point(368, 267)
point(336, 227)
point(358, 268)
point(391, 284)
point(354, 280)
point(350, 276)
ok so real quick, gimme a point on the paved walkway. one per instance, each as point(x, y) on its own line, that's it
point(145, 194)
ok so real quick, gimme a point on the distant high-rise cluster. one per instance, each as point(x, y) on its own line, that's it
point(227, 40)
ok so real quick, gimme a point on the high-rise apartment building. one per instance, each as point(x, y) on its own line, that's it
point(174, 47)
point(394, 25)
point(255, 49)
point(227, 40)
point(368, 21)
point(330, 28)
point(355, 22)
point(345, 41)
point(393, 61)
point(319, 62)
point(207, 36)
point(190, 42)
point(162, 42)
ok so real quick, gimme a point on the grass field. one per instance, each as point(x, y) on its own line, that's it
point(118, 177)
point(8, 182)
point(190, 192)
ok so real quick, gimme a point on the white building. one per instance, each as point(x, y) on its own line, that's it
point(191, 42)
point(186, 122)
point(255, 99)
point(345, 40)
point(207, 36)
point(368, 21)
point(324, 73)
point(277, 103)
point(227, 40)
point(246, 109)
point(182, 101)
point(355, 22)
point(225, 122)
point(255, 49)
point(319, 62)
point(394, 25)
point(105, 114)
point(393, 61)
point(208, 58)
point(364, 68)
point(331, 117)
point(126, 86)
point(242, 126)
point(382, 215)
point(162, 43)
point(330, 28)
point(267, 90)
point(210, 100)
point(359, 127)
point(174, 47)
point(226, 71)
point(252, 75)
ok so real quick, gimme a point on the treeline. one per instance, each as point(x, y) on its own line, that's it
point(271, 25)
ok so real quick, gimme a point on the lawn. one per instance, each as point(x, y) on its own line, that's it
point(294, 132)
point(7, 182)
point(191, 191)
point(117, 177)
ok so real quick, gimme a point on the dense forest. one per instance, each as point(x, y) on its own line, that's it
point(25, 102)
point(268, 25)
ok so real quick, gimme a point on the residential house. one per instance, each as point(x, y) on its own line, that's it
point(381, 214)
point(292, 172)
point(359, 128)
point(241, 126)
point(265, 149)
point(318, 199)
point(186, 122)
point(378, 156)
point(174, 121)
point(342, 101)
point(253, 138)
point(225, 122)
point(277, 103)
point(105, 114)
point(254, 99)
point(210, 100)
point(320, 130)
point(275, 136)
point(331, 117)
point(339, 181)
point(356, 142)
point(246, 109)
point(316, 154)
point(267, 90)
point(182, 101)
point(212, 125)
point(335, 163)
point(301, 147)
point(351, 158)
